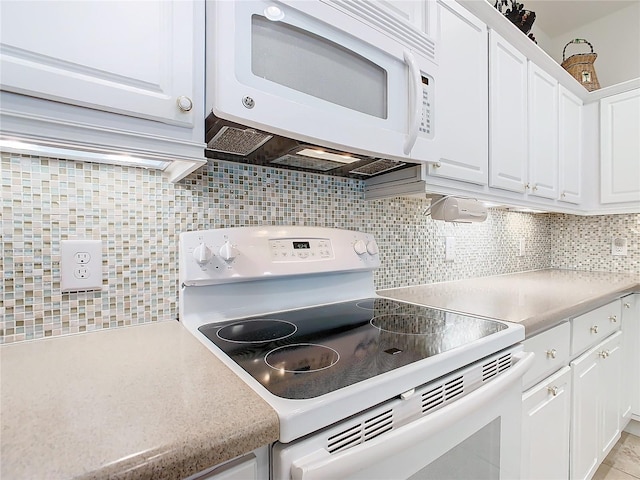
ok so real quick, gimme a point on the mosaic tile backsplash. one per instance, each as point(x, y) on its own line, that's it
point(138, 215)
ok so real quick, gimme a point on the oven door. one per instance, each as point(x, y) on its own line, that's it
point(315, 72)
point(475, 437)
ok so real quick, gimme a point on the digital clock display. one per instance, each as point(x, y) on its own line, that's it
point(301, 245)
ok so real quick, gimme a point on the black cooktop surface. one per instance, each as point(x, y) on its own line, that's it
point(306, 353)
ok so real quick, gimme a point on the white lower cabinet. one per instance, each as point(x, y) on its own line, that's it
point(546, 414)
point(631, 357)
point(595, 425)
point(587, 387)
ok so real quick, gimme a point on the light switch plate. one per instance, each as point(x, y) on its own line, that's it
point(449, 249)
point(80, 265)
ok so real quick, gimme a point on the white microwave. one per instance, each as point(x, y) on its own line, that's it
point(342, 87)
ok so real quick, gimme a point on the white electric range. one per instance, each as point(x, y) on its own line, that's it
point(293, 311)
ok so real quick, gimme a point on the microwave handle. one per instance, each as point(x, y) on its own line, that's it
point(321, 465)
point(415, 101)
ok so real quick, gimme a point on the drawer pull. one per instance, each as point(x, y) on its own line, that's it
point(551, 353)
point(604, 353)
point(594, 329)
point(627, 305)
point(613, 318)
point(553, 390)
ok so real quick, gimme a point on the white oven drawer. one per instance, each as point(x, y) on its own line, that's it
point(593, 326)
point(552, 353)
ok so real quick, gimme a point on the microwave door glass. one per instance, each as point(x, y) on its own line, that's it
point(294, 58)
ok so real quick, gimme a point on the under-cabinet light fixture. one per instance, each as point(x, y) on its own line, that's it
point(25, 148)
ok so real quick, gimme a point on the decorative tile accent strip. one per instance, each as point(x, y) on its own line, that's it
point(138, 215)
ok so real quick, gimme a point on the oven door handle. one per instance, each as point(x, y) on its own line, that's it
point(322, 465)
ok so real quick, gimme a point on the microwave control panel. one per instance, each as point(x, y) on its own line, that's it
point(426, 124)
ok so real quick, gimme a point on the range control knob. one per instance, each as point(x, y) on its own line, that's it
point(360, 247)
point(372, 247)
point(202, 254)
point(228, 252)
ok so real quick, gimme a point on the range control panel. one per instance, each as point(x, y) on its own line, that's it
point(239, 254)
point(300, 249)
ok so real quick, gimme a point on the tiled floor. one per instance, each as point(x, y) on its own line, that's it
point(623, 462)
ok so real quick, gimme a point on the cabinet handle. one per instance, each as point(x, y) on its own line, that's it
point(627, 305)
point(594, 329)
point(535, 187)
point(604, 353)
point(551, 353)
point(527, 186)
point(184, 103)
point(613, 318)
point(553, 390)
point(563, 194)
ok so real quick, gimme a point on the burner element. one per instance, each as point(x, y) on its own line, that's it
point(257, 331)
point(301, 358)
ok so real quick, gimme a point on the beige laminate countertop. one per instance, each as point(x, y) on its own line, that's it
point(537, 299)
point(144, 402)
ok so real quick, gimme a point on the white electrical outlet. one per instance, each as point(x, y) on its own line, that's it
point(619, 246)
point(449, 249)
point(80, 265)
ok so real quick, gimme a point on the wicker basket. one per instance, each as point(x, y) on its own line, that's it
point(580, 66)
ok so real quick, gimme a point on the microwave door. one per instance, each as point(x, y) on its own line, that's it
point(304, 75)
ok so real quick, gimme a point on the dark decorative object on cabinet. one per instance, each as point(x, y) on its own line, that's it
point(521, 18)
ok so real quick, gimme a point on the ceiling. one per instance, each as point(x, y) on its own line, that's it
point(557, 17)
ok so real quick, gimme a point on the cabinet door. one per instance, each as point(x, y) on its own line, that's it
point(569, 146)
point(462, 122)
point(620, 147)
point(631, 352)
point(584, 445)
point(543, 133)
point(546, 415)
point(130, 57)
point(596, 406)
point(610, 389)
point(507, 115)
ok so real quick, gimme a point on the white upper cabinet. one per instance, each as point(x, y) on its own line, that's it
point(130, 57)
point(462, 95)
point(543, 133)
point(507, 116)
point(569, 146)
point(121, 77)
point(620, 147)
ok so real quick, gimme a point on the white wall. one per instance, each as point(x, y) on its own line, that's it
point(616, 40)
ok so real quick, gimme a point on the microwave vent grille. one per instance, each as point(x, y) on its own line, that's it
point(388, 24)
point(237, 141)
point(377, 167)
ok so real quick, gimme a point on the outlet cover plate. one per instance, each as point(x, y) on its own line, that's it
point(80, 265)
point(619, 246)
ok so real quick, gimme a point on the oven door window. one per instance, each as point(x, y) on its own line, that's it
point(305, 62)
point(476, 458)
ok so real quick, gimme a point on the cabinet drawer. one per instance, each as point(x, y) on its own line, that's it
point(593, 326)
point(552, 352)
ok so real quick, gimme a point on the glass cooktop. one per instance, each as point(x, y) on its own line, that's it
point(306, 353)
